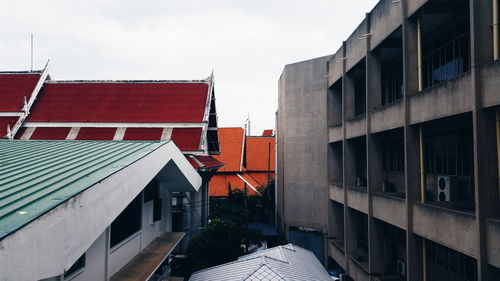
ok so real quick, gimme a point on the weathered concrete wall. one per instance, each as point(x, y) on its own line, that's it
point(454, 229)
point(385, 18)
point(302, 135)
point(397, 214)
point(490, 84)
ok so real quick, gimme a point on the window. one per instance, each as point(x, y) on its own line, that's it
point(359, 95)
point(452, 261)
point(449, 153)
point(152, 191)
point(446, 54)
point(393, 156)
point(79, 264)
point(127, 223)
point(392, 83)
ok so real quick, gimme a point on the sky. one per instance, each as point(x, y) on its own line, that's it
point(246, 43)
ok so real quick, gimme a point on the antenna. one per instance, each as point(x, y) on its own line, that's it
point(31, 52)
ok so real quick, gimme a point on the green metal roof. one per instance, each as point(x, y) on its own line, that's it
point(37, 176)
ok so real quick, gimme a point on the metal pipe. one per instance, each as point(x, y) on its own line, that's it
point(422, 165)
point(498, 146)
point(495, 30)
point(419, 54)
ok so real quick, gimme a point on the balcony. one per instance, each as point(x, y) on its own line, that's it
point(357, 198)
point(493, 240)
point(337, 251)
point(389, 207)
point(337, 192)
point(440, 225)
point(446, 99)
point(356, 127)
point(335, 133)
point(358, 267)
point(490, 83)
point(387, 117)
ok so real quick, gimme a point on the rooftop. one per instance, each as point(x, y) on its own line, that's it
point(37, 176)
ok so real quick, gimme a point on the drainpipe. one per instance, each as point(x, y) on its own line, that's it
point(422, 197)
point(495, 30)
point(419, 53)
point(422, 167)
point(498, 145)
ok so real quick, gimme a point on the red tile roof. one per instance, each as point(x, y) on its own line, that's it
point(220, 183)
point(6, 121)
point(267, 133)
point(142, 134)
point(199, 162)
point(121, 102)
point(46, 133)
point(231, 148)
point(96, 133)
point(259, 153)
point(14, 87)
point(187, 139)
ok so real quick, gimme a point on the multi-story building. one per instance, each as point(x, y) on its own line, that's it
point(411, 113)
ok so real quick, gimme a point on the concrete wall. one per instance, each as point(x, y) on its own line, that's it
point(302, 134)
point(98, 255)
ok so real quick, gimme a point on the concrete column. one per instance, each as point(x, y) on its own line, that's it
point(414, 258)
point(345, 89)
point(486, 188)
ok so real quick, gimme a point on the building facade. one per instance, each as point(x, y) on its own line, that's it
point(413, 136)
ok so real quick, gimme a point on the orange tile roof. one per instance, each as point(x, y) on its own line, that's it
point(257, 153)
point(231, 148)
point(261, 177)
point(219, 184)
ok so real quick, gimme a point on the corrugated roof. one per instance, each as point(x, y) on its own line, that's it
point(259, 153)
point(14, 87)
point(200, 162)
point(89, 101)
point(288, 262)
point(231, 148)
point(36, 176)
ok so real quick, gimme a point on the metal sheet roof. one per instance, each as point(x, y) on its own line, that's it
point(282, 263)
point(37, 176)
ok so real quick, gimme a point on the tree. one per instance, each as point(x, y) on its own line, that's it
point(224, 237)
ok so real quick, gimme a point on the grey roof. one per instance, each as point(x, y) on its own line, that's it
point(282, 263)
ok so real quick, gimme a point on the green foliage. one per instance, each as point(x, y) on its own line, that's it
point(224, 237)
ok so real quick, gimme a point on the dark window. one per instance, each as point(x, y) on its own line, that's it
point(79, 264)
point(393, 159)
point(446, 54)
point(449, 153)
point(152, 191)
point(452, 261)
point(157, 209)
point(392, 83)
point(359, 96)
point(127, 223)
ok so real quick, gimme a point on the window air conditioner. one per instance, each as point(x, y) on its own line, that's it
point(446, 189)
point(401, 268)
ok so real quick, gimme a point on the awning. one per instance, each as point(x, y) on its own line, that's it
point(204, 162)
point(142, 266)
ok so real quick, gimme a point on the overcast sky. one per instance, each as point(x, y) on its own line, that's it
point(245, 42)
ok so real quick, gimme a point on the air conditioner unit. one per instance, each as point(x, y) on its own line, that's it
point(446, 189)
point(401, 268)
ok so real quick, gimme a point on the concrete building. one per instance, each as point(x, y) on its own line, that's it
point(89, 210)
point(408, 130)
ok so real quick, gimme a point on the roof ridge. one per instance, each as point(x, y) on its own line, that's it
point(138, 81)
